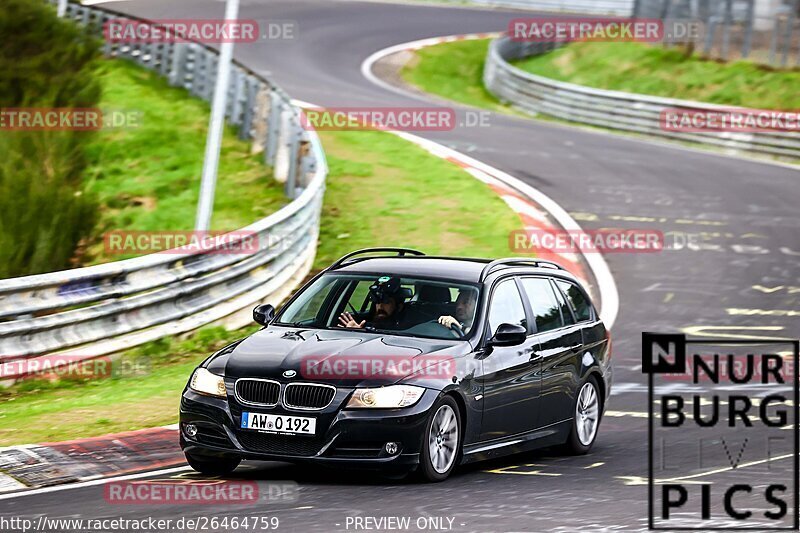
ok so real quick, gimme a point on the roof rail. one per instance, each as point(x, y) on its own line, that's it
point(401, 252)
point(511, 261)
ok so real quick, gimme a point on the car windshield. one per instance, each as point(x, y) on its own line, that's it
point(386, 303)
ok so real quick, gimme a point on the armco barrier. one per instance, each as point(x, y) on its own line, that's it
point(93, 311)
point(611, 109)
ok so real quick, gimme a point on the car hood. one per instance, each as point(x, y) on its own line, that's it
point(320, 356)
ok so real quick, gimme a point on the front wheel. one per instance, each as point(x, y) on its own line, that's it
point(441, 441)
point(586, 418)
point(212, 466)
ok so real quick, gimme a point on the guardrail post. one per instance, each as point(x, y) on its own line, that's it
point(274, 127)
point(295, 134)
point(282, 166)
point(108, 46)
point(308, 164)
point(198, 70)
point(747, 45)
point(162, 53)
point(790, 16)
point(177, 71)
point(260, 127)
point(248, 109)
point(211, 61)
point(235, 101)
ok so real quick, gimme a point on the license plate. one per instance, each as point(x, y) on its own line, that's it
point(302, 425)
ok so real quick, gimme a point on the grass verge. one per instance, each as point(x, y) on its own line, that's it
point(453, 70)
point(147, 176)
point(668, 72)
point(382, 190)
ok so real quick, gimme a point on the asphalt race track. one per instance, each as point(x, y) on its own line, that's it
point(745, 279)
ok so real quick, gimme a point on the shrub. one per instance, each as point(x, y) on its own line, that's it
point(44, 211)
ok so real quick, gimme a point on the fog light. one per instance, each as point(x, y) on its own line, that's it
point(191, 430)
point(391, 448)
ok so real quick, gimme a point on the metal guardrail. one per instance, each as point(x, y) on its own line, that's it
point(90, 312)
point(611, 109)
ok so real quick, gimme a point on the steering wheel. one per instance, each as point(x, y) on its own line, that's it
point(455, 328)
point(458, 329)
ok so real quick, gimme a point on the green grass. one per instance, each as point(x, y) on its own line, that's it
point(43, 411)
point(384, 191)
point(654, 70)
point(147, 178)
point(453, 70)
point(381, 190)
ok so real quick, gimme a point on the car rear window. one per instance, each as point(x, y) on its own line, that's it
point(543, 303)
point(579, 303)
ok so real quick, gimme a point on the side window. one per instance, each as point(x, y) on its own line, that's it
point(579, 303)
point(543, 303)
point(358, 299)
point(506, 306)
point(566, 313)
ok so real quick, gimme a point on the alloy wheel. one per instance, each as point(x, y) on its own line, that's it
point(443, 439)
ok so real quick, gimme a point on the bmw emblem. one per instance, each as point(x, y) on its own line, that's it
point(289, 374)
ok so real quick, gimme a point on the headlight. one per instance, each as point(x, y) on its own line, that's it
point(205, 382)
point(389, 397)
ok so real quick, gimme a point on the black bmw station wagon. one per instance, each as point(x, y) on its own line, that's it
point(395, 360)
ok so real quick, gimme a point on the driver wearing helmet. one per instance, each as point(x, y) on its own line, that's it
point(388, 306)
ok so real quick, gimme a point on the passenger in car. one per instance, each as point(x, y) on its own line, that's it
point(465, 311)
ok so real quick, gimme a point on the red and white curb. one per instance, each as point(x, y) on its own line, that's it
point(31, 466)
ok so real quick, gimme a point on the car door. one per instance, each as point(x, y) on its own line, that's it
point(510, 381)
point(559, 349)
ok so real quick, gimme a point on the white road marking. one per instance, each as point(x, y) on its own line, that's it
point(637, 480)
point(93, 482)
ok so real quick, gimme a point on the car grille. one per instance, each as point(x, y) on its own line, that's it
point(308, 395)
point(279, 444)
point(258, 391)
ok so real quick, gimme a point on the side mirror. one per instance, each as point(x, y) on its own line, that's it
point(508, 335)
point(263, 314)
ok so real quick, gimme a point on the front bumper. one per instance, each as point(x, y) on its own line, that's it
point(354, 437)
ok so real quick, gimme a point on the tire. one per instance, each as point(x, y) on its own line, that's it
point(441, 450)
point(581, 437)
point(212, 466)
